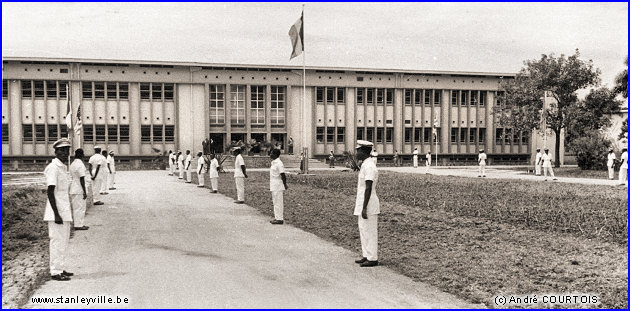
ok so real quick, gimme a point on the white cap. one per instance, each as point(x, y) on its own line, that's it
point(64, 142)
point(364, 143)
point(97, 147)
point(236, 148)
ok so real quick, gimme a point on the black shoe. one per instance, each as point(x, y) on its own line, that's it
point(370, 263)
point(81, 228)
point(199, 186)
point(99, 203)
point(362, 260)
point(60, 277)
point(277, 222)
point(66, 273)
point(214, 191)
point(113, 188)
point(239, 202)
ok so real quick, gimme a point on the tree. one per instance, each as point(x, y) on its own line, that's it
point(590, 114)
point(591, 150)
point(624, 129)
point(621, 81)
point(521, 105)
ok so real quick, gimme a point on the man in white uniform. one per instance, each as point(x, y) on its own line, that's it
point(58, 213)
point(415, 157)
point(547, 159)
point(427, 162)
point(96, 171)
point(78, 192)
point(277, 185)
point(171, 163)
point(239, 176)
point(538, 162)
point(180, 164)
point(111, 164)
point(201, 169)
point(611, 164)
point(214, 173)
point(623, 169)
point(481, 160)
point(367, 205)
point(105, 180)
point(187, 167)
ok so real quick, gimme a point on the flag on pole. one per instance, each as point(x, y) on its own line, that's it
point(68, 112)
point(435, 125)
point(297, 37)
point(79, 124)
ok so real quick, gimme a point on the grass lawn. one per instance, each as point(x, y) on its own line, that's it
point(576, 172)
point(475, 238)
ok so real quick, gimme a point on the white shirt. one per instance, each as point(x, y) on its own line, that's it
point(624, 160)
point(546, 157)
point(538, 157)
point(275, 180)
point(180, 159)
point(214, 168)
point(428, 156)
point(112, 163)
point(201, 164)
point(415, 153)
point(96, 160)
point(238, 161)
point(368, 172)
point(611, 159)
point(57, 175)
point(77, 170)
point(187, 161)
point(482, 158)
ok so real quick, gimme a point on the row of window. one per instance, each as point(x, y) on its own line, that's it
point(40, 89)
point(5, 89)
point(330, 95)
point(465, 98)
point(468, 135)
point(5, 133)
point(256, 104)
point(424, 135)
point(507, 137)
point(93, 133)
point(330, 134)
point(367, 133)
point(40, 132)
point(105, 90)
point(422, 96)
point(370, 96)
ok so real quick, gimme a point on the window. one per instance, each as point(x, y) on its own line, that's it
point(454, 96)
point(408, 94)
point(319, 94)
point(5, 133)
point(145, 133)
point(86, 88)
point(51, 89)
point(320, 135)
point(500, 97)
point(379, 134)
point(389, 96)
point(99, 131)
point(473, 98)
point(217, 104)
point(482, 98)
point(123, 91)
point(277, 105)
point(5, 89)
point(341, 132)
point(360, 133)
point(508, 136)
point(63, 89)
point(99, 90)
point(360, 96)
point(370, 96)
point(53, 133)
point(112, 133)
point(330, 135)
point(464, 98)
point(472, 135)
point(257, 111)
point(111, 91)
point(427, 97)
point(417, 97)
point(156, 91)
point(380, 96)
point(482, 135)
point(237, 100)
point(499, 136)
point(427, 135)
point(454, 134)
point(124, 133)
point(169, 133)
point(88, 133)
point(27, 89)
point(169, 91)
point(463, 135)
point(63, 133)
point(157, 133)
point(524, 138)
point(437, 97)
point(38, 88)
point(330, 94)
point(40, 133)
point(417, 134)
point(408, 135)
point(341, 97)
point(369, 134)
point(389, 135)
point(27, 132)
point(145, 91)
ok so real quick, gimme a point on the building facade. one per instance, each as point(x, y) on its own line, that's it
point(138, 109)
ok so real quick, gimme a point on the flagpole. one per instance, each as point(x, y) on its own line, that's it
point(306, 155)
point(70, 129)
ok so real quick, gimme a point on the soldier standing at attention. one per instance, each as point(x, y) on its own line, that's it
point(538, 163)
point(171, 163)
point(239, 176)
point(201, 169)
point(180, 164)
point(96, 167)
point(277, 185)
point(481, 160)
point(367, 205)
point(58, 213)
point(111, 164)
point(106, 173)
point(428, 162)
point(611, 164)
point(214, 173)
point(187, 167)
point(547, 159)
point(415, 157)
point(623, 169)
point(78, 193)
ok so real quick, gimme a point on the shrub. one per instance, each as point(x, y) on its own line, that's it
point(591, 151)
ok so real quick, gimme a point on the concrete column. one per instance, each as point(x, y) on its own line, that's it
point(134, 119)
point(15, 118)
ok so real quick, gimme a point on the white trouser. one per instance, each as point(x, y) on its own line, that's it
point(415, 161)
point(171, 167)
point(368, 231)
point(104, 181)
point(189, 174)
point(78, 209)
point(214, 181)
point(240, 188)
point(538, 169)
point(201, 178)
point(427, 167)
point(110, 179)
point(59, 235)
point(611, 172)
point(550, 170)
point(623, 174)
point(278, 204)
point(482, 169)
point(96, 189)
point(90, 196)
point(181, 171)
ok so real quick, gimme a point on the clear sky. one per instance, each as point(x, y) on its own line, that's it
point(480, 37)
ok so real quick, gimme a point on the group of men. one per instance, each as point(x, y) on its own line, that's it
point(623, 167)
point(177, 162)
point(68, 191)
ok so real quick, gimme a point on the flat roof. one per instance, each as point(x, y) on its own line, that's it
point(257, 66)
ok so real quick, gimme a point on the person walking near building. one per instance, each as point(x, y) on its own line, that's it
point(331, 157)
point(623, 169)
point(367, 206)
point(107, 171)
point(396, 158)
point(214, 173)
point(187, 168)
point(171, 163)
point(538, 162)
point(96, 164)
point(415, 157)
point(58, 212)
point(78, 191)
point(239, 176)
point(277, 185)
point(481, 160)
point(111, 164)
point(547, 159)
point(611, 164)
point(290, 145)
point(180, 164)
point(201, 169)
point(427, 162)
point(302, 162)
